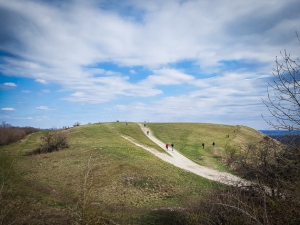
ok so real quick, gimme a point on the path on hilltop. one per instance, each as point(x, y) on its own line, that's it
point(178, 160)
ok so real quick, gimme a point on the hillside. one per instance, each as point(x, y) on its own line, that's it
point(113, 176)
point(188, 139)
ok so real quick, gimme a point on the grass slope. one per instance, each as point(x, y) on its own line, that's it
point(127, 182)
point(188, 139)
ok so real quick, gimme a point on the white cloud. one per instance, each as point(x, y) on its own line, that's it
point(7, 109)
point(42, 108)
point(168, 76)
point(10, 84)
point(41, 81)
point(154, 35)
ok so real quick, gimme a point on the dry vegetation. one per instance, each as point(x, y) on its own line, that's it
point(51, 141)
point(10, 134)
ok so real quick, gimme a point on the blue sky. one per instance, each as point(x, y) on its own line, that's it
point(63, 62)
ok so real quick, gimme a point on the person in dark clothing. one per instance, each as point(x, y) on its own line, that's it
point(203, 145)
point(213, 144)
point(172, 145)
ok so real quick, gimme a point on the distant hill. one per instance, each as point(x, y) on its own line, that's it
point(282, 135)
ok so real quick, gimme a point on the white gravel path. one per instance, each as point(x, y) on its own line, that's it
point(178, 160)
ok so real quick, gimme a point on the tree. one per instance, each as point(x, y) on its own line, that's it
point(283, 100)
point(273, 196)
point(76, 124)
point(5, 125)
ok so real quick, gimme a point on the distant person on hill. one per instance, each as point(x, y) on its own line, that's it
point(147, 132)
point(172, 145)
point(203, 145)
point(213, 144)
point(167, 146)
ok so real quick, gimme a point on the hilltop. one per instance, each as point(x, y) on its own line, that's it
point(103, 172)
point(188, 138)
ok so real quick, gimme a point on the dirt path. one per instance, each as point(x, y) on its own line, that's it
point(178, 160)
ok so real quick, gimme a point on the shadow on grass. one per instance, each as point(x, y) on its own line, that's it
point(163, 217)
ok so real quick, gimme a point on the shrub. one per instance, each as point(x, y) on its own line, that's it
point(51, 141)
point(76, 124)
point(9, 134)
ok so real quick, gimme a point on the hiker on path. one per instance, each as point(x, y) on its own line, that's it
point(172, 145)
point(167, 146)
point(147, 132)
point(203, 145)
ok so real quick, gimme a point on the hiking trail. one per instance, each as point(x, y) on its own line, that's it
point(178, 160)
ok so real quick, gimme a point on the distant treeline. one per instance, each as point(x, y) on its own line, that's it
point(10, 134)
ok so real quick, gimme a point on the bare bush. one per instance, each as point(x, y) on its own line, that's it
point(10, 134)
point(76, 124)
point(52, 141)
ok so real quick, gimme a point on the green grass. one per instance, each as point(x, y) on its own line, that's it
point(133, 130)
point(188, 139)
point(127, 181)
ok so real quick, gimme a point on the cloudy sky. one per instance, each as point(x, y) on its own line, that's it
point(91, 61)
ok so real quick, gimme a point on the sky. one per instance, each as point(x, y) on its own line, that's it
point(207, 61)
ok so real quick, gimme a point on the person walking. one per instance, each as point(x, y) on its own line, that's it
point(203, 145)
point(213, 144)
point(172, 145)
point(167, 146)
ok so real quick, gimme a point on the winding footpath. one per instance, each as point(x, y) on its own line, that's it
point(178, 160)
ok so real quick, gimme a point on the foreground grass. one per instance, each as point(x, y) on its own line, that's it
point(126, 183)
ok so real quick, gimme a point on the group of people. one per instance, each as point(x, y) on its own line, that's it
point(172, 146)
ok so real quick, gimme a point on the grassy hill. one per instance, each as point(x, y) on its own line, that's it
point(188, 139)
point(102, 176)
